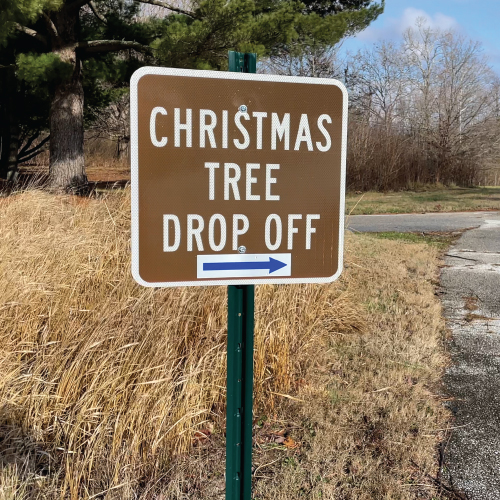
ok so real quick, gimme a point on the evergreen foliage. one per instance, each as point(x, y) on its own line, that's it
point(24, 12)
point(64, 49)
point(42, 68)
point(262, 26)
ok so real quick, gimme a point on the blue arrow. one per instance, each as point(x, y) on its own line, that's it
point(271, 264)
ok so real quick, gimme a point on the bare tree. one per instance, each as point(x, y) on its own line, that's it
point(452, 91)
point(318, 62)
point(436, 91)
point(379, 83)
point(113, 124)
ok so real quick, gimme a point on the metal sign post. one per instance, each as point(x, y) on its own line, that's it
point(240, 328)
point(239, 396)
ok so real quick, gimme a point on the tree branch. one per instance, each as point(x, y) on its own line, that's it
point(30, 141)
point(158, 3)
point(31, 153)
point(97, 14)
point(24, 159)
point(26, 148)
point(112, 46)
point(30, 32)
point(50, 25)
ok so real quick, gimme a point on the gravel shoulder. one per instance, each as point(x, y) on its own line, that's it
point(471, 300)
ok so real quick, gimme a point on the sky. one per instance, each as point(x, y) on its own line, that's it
point(477, 19)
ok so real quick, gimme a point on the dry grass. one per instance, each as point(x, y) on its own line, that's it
point(108, 170)
point(108, 378)
point(103, 384)
point(370, 397)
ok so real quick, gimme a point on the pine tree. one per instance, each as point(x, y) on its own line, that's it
point(327, 22)
point(59, 41)
point(68, 47)
point(24, 111)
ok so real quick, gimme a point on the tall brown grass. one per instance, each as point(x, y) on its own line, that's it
point(102, 382)
point(372, 419)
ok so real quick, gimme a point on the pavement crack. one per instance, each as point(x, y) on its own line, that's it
point(459, 257)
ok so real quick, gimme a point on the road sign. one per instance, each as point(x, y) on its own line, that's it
point(236, 178)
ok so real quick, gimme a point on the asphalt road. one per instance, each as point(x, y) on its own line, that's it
point(417, 222)
point(470, 293)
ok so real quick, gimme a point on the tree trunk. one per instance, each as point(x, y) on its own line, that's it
point(8, 157)
point(67, 163)
point(12, 172)
point(122, 148)
point(10, 129)
point(4, 142)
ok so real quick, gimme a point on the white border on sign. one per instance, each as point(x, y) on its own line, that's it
point(134, 146)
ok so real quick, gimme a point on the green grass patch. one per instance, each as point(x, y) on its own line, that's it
point(439, 240)
point(436, 199)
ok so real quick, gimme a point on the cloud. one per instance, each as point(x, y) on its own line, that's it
point(393, 27)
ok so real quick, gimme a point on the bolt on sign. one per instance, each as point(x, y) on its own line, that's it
point(237, 178)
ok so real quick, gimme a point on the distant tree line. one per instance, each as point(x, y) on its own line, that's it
point(65, 64)
point(425, 110)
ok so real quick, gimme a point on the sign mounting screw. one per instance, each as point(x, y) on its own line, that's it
point(242, 249)
point(243, 108)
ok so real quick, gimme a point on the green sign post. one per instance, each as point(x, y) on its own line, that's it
point(241, 62)
point(240, 327)
point(239, 392)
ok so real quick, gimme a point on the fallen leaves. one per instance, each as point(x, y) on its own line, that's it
point(202, 436)
point(281, 437)
point(291, 444)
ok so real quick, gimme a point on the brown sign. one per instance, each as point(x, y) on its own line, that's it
point(236, 178)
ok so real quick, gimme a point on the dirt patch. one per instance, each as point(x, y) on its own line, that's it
point(470, 303)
